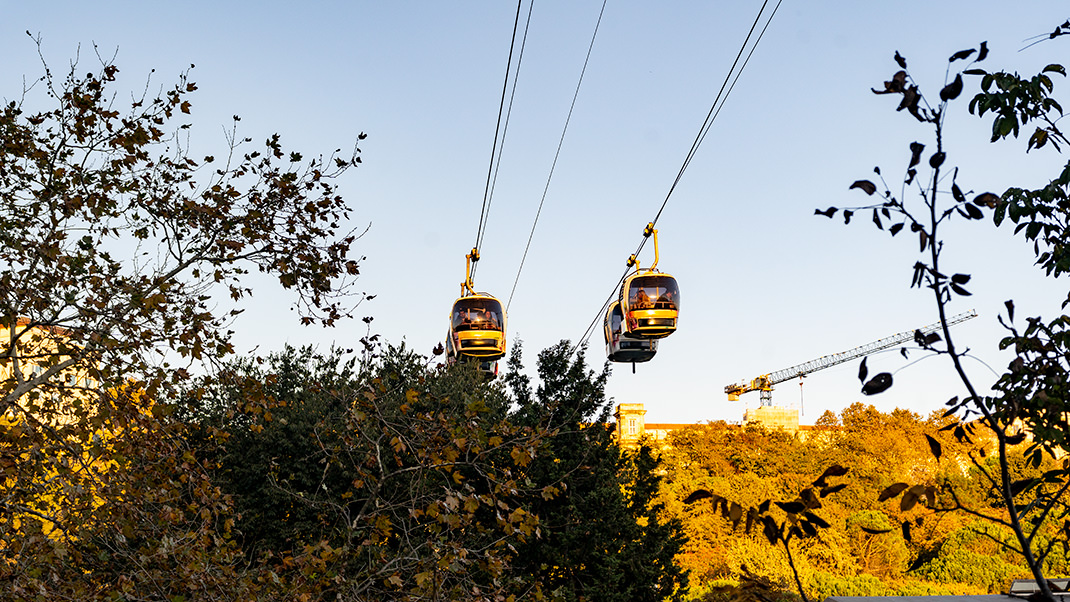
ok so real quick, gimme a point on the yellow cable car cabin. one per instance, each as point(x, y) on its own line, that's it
point(477, 324)
point(621, 347)
point(477, 327)
point(649, 299)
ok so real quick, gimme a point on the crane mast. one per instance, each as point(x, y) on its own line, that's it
point(765, 382)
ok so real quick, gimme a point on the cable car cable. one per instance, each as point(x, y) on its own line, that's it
point(714, 111)
point(557, 154)
point(498, 132)
point(508, 114)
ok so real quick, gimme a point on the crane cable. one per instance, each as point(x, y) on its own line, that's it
point(557, 154)
point(715, 110)
point(501, 128)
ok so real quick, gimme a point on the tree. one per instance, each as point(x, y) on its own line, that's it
point(602, 535)
point(384, 479)
point(1032, 391)
point(115, 247)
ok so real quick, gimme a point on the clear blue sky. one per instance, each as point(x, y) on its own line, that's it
point(765, 283)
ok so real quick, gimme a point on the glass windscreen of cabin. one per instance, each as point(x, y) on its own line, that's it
point(654, 292)
point(477, 314)
point(616, 320)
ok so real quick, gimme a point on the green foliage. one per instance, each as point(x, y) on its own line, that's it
point(975, 556)
point(602, 536)
point(1032, 393)
point(393, 479)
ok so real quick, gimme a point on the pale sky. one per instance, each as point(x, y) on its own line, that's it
point(765, 284)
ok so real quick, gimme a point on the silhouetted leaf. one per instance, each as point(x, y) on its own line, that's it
point(952, 90)
point(764, 507)
point(916, 149)
point(973, 211)
point(983, 52)
point(863, 371)
point(808, 528)
point(899, 60)
point(816, 520)
point(910, 499)
point(906, 531)
point(957, 193)
point(877, 220)
point(962, 54)
point(865, 185)
point(903, 352)
point(923, 240)
point(934, 446)
point(1010, 309)
point(827, 212)
point(875, 531)
point(986, 199)
point(959, 290)
point(961, 436)
point(830, 490)
point(1036, 458)
point(895, 86)
point(895, 228)
point(847, 216)
point(770, 529)
point(878, 384)
point(892, 491)
point(1015, 439)
point(960, 278)
point(791, 507)
point(832, 471)
point(937, 159)
point(1023, 485)
point(695, 496)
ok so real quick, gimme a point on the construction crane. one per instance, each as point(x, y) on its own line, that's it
point(765, 382)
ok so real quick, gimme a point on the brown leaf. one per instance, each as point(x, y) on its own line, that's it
point(986, 199)
point(695, 496)
point(934, 446)
point(952, 90)
point(791, 507)
point(891, 491)
point(962, 54)
point(916, 149)
point(867, 186)
point(878, 384)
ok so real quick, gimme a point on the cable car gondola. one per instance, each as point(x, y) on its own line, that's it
point(621, 347)
point(649, 299)
point(477, 324)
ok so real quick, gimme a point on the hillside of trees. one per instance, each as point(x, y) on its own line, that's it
point(141, 460)
point(863, 552)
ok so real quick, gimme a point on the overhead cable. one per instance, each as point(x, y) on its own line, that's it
point(557, 154)
point(499, 133)
point(722, 96)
